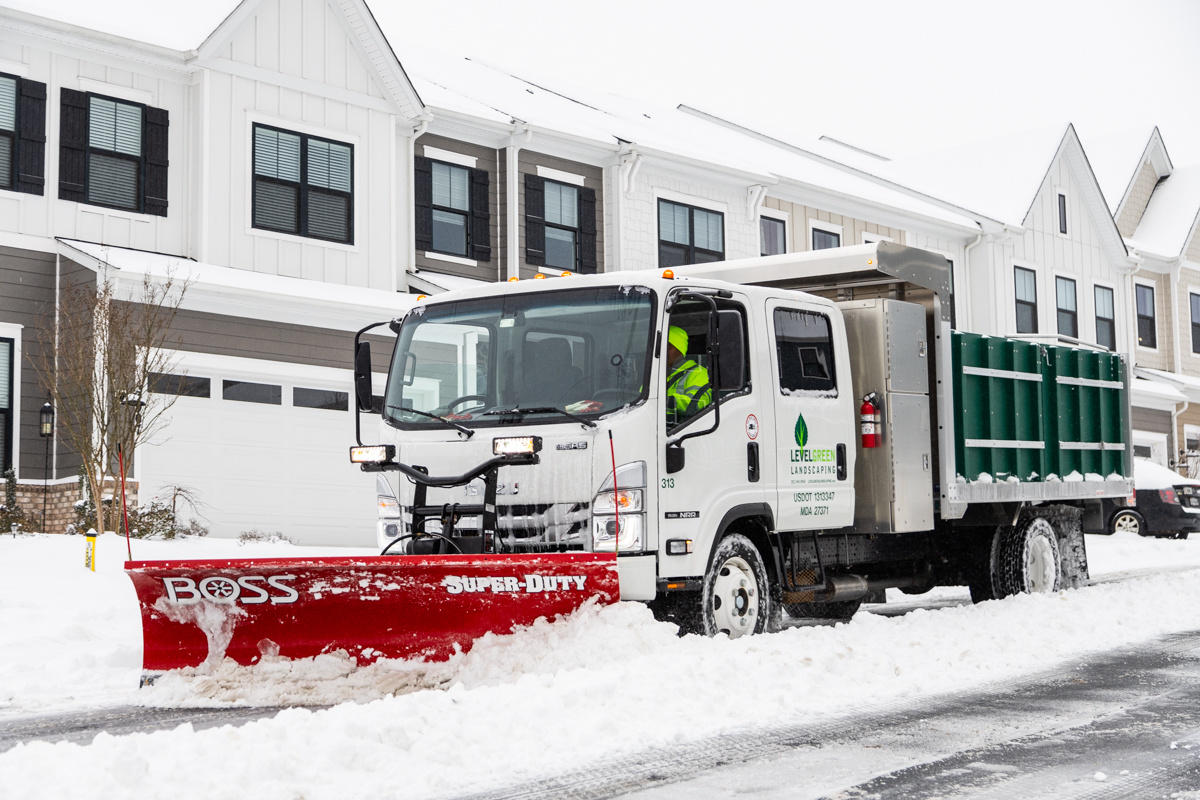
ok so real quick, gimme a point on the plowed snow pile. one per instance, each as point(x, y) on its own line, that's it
point(553, 697)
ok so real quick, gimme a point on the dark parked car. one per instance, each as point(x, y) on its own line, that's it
point(1167, 505)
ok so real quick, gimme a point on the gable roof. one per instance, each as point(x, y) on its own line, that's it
point(1171, 216)
point(1117, 158)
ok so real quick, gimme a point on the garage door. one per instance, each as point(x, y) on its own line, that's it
point(264, 445)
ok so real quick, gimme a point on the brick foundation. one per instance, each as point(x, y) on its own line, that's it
point(60, 502)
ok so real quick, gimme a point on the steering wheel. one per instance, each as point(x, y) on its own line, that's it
point(466, 398)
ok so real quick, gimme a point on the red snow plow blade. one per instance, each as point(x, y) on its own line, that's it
point(199, 612)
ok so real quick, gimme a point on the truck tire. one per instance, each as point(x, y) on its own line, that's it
point(1027, 559)
point(1127, 521)
point(736, 598)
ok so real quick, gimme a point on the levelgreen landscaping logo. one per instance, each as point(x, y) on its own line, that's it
point(801, 431)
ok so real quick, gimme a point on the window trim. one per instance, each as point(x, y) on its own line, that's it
point(825, 227)
point(140, 205)
point(15, 135)
point(1096, 314)
point(691, 247)
point(1137, 317)
point(577, 266)
point(1059, 310)
point(867, 237)
point(1193, 291)
point(1017, 302)
point(12, 332)
point(304, 186)
point(781, 217)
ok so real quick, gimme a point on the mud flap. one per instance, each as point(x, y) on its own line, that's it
point(197, 613)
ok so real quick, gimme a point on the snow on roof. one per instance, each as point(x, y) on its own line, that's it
point(1149, 390)
point(242, 293)
point(185, 27)
point(471, 87)
point(1171, 214)
point(1148, 475)
point(1116, 157)
point(440, 282)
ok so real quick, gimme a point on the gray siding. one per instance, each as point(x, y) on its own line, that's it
point(27, 298)
point(486, 159)
point(593, 178)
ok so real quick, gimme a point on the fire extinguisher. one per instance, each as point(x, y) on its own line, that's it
point(869, 415)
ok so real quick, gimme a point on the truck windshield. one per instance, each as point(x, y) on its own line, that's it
point(521, 359)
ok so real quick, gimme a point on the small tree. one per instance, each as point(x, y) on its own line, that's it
point(96, 364)
point(10, 512)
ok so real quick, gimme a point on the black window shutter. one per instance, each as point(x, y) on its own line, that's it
point(31, 158)
point(587, 230)
point(423, 202)
point(72, 146)
point(481, 229)
point(154, 146)
point(535, 220)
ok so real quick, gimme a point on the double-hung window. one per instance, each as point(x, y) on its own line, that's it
point(303, 185)
point(825, 239)
point(1194, 300)
point(113, 153)
point(1068, 315)
point(560, 225)
point(1106, 318)
point(689, 235)
point(772, 235)
point(8, 131)
point(451, 209)
point(6, 403)
point(1027, 311)
point(1146, 328)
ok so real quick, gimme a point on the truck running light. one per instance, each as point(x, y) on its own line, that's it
point(625, 501)
point(1168, 496)
point(679, 547)
point(514, 445)
point(372, 454)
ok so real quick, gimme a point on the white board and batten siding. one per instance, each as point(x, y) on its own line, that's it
point(147, 78)
point(295, 67)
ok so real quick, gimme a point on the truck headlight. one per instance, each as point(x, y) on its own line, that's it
point(624, 500)
point(632, 533)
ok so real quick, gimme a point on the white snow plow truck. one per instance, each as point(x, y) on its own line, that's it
point(727, 442)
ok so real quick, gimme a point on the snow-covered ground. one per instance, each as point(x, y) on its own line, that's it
point(549, 699)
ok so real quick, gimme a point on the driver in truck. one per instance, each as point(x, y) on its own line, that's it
point(688, 387)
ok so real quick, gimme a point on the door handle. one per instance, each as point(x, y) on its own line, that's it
point(841, 462)
point(752, 462)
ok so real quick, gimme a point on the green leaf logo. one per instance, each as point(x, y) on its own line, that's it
point(801, 431)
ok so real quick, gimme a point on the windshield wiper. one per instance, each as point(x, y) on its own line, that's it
point(442, 420)
point(540, 410)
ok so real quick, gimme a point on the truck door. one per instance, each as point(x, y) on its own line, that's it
point(814, 416)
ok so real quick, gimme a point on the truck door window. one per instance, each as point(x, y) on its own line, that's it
point(804, 344)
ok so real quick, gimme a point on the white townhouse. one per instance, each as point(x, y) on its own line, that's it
point(1157, 209)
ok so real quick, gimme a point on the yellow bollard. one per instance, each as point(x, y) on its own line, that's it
point(89, 560)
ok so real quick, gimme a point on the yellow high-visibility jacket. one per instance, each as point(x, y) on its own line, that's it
point(688, 386)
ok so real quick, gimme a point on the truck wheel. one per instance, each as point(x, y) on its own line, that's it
point(1126, 521)
point(735, 599)
point(1027, 559)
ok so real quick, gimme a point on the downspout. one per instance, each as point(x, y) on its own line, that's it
point(1176, 367)
point(512, 186)
point(410, 204)
point(966, 289)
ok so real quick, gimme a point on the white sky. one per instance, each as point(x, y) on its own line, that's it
point(899, 78)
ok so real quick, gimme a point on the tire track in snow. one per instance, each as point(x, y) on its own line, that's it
point(1133, 715)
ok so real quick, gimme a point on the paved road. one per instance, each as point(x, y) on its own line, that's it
point(1124, 725)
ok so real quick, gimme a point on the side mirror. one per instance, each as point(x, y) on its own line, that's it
point(731, 371)
point(362, 376)
point(675, 458)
